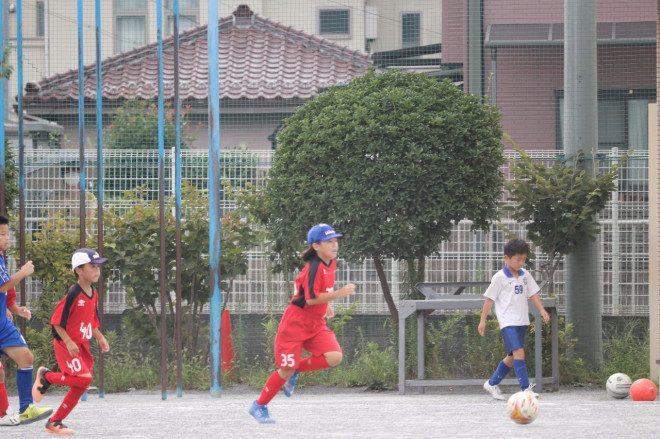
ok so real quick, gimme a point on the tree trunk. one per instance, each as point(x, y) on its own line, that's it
point(421, 268)
point(386, 290)
point(226, 301)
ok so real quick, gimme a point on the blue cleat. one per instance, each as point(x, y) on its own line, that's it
point(290, 384)
point(260, 413)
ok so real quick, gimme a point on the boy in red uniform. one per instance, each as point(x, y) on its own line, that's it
point(303, 324)
point(74, 322)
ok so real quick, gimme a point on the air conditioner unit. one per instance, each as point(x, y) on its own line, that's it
point(371, 22)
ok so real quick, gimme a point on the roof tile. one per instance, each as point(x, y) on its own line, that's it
point(265, 60)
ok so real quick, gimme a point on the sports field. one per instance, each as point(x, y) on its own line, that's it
point(353, 413)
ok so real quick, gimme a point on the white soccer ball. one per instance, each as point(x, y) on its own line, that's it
point(522, 407)
point(618, 385)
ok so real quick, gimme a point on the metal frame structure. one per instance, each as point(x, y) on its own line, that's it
point(455, 301)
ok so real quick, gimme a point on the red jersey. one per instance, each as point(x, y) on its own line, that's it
point(78, 314)
point(316, 278)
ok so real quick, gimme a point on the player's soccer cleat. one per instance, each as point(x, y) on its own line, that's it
point(40, 384)
point(34, 413)
point(290, 384)
point(260, 413)
point(494, 391)
point(530, 389)
point(57, 427)
point(10, 418)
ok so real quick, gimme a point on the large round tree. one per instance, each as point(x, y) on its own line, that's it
point(392, 161)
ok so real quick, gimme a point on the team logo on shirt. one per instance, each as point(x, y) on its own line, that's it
point(81, 302)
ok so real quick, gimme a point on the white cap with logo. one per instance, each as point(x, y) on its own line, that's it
point(86, 256)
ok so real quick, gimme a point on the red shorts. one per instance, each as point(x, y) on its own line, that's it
point(81, 364)
point(300, 330)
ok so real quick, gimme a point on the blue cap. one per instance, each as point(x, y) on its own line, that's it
point(321, 232)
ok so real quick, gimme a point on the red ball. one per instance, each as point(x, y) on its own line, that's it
point(643, 390)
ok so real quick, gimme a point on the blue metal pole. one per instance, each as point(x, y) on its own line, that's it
point(177, 190)
point(99, 163)
point(214, 196)
point(21, 146)
point(3, 187)
point(81, 122)
point(161, 200)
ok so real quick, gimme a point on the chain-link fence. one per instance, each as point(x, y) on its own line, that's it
point(468, 256)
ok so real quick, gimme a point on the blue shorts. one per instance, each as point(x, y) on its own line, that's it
point(10, 336)
point(514, 338)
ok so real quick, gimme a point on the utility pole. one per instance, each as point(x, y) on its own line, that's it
point(584, 280)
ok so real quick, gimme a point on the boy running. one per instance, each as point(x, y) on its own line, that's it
point(74, 322)
point(509, 291)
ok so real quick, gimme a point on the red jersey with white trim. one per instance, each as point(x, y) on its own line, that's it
point(316, 278)
point(78, 314)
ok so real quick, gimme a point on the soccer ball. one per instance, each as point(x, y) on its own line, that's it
point(522, 407)
point(643, 390)
point(618, 385)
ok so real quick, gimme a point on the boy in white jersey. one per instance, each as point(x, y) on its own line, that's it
point(509, 290)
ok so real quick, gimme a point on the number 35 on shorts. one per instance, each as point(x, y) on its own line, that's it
point(287, 360)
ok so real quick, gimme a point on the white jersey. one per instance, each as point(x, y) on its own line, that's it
point(510, 296)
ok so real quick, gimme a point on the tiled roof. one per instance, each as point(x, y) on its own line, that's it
point(258, 59)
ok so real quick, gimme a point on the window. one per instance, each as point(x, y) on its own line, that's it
point(130, 24)
point(188, 15)
point(622, 119)
point(410, 29)
point(623, 124)
point(41, 19)
point(334, 22)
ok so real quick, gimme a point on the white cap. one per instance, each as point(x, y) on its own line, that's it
point(85, 256)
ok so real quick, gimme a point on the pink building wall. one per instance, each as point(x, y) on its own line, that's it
point(529, 77)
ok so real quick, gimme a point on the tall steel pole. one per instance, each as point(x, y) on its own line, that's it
point(21, 147)
point(214, 196)
point(177, 190)
point(161, 206)
point(99, 166)
point(584, 289)
point(81, 123)
point(3, 81)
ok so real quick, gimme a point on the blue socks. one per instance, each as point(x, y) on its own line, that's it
point(500, 373)
point(521, 372)
point(24, 386)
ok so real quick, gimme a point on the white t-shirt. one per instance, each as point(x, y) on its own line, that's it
point(510, 296)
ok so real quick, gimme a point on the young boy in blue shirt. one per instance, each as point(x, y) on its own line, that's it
point(509, 290)
point(12, 342)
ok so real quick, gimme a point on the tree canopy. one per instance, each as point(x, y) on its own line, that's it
point(392, 161)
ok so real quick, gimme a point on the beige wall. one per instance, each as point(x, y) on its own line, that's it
point(389, 24)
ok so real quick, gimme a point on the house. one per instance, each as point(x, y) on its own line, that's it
point(267, 69)
point(516, 58)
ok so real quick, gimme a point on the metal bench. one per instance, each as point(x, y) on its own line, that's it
point(454, 301)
